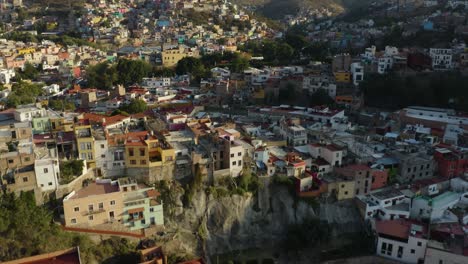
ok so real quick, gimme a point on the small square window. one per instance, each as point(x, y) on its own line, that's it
point(232, 155)
point(90, 218)
point(76, 209)
point(46, 170)
point(50, 183)
point(73, 221)
point(25, 179)
point(151, 209)
point(413, 251)
point(112, 202)
point(419, 244)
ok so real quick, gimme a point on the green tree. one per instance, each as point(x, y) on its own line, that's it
point(132, 71)
point(23, 93)
point(192, 66)
point(135, 106)
point(320, 97)
point(61, 105)
point(102, 75)
point(70, 169)
point(29, 72)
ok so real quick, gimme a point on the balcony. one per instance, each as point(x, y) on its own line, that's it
point(93, 212)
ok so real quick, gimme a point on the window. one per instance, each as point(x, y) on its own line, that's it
point(103, 155)
point(239, 154)
point(419, 244)
point(90, 207)
point(133, 162)
point(76, 209)
point(73, 221)
point(232, 155)
point(383, 248)
point(441, 261)
point(125, 189)
point(25, 179)
point(46, 170)
point(389, 249)
point(142, 152)
point(102, 146)
point(27, 159)
point(10, 161)
point(88, 146)
point(240, 162)
point(143, 221)
point(101, 206)
point(90, 218)
point(151, 209)
point(346, 193)
point(400, 252)
point(142, 162)
point(50, 183)
point(233, 163)
point(112, 202)
point(90, 156)
point(130, 152)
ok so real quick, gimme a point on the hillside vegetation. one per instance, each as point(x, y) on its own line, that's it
point(277, 9)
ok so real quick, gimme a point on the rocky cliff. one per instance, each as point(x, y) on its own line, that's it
point(211, 226)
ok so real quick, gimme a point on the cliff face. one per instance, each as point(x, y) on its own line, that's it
point(214, 226)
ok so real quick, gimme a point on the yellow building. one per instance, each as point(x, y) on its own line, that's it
point(85, 142)
point(171, 57)
point(26, 51)
point(342, 77)
point(342, 188)
point(144, 150)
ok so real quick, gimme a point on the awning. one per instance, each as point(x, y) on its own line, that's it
point(136, 210)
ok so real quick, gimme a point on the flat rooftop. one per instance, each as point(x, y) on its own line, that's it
point(387, 194)
point(96, 189)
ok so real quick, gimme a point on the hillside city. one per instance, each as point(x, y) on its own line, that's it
point(206, 131)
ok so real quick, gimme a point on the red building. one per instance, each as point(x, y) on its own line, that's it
point(379, 179)
point(451, 163)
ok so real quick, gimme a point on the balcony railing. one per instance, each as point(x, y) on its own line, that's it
point(91, 212)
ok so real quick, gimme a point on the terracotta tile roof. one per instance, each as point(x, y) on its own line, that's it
point(67, 256)
point(152, 193)
point(136, 210)
point(399, 228)
point(109, 120)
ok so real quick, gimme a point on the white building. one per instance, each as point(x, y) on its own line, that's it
point(27, 113)
point(51, 89)
point(402, 240)
point(369, 53)
point(294, 133)
point(438, 252)
point(221, 72)
point(384, 64)
point(256, 76)
point(47, 174)
point(441, 58)
point(386, 204)
point(442, 115)
point(157, 82)
point(429, 3)
point(357, 71)
point(313, 84)
point(434, 209)
point(329, 152)
point(101, 151)
point(6, 75)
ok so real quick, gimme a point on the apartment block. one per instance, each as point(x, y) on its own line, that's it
point(106, 201)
